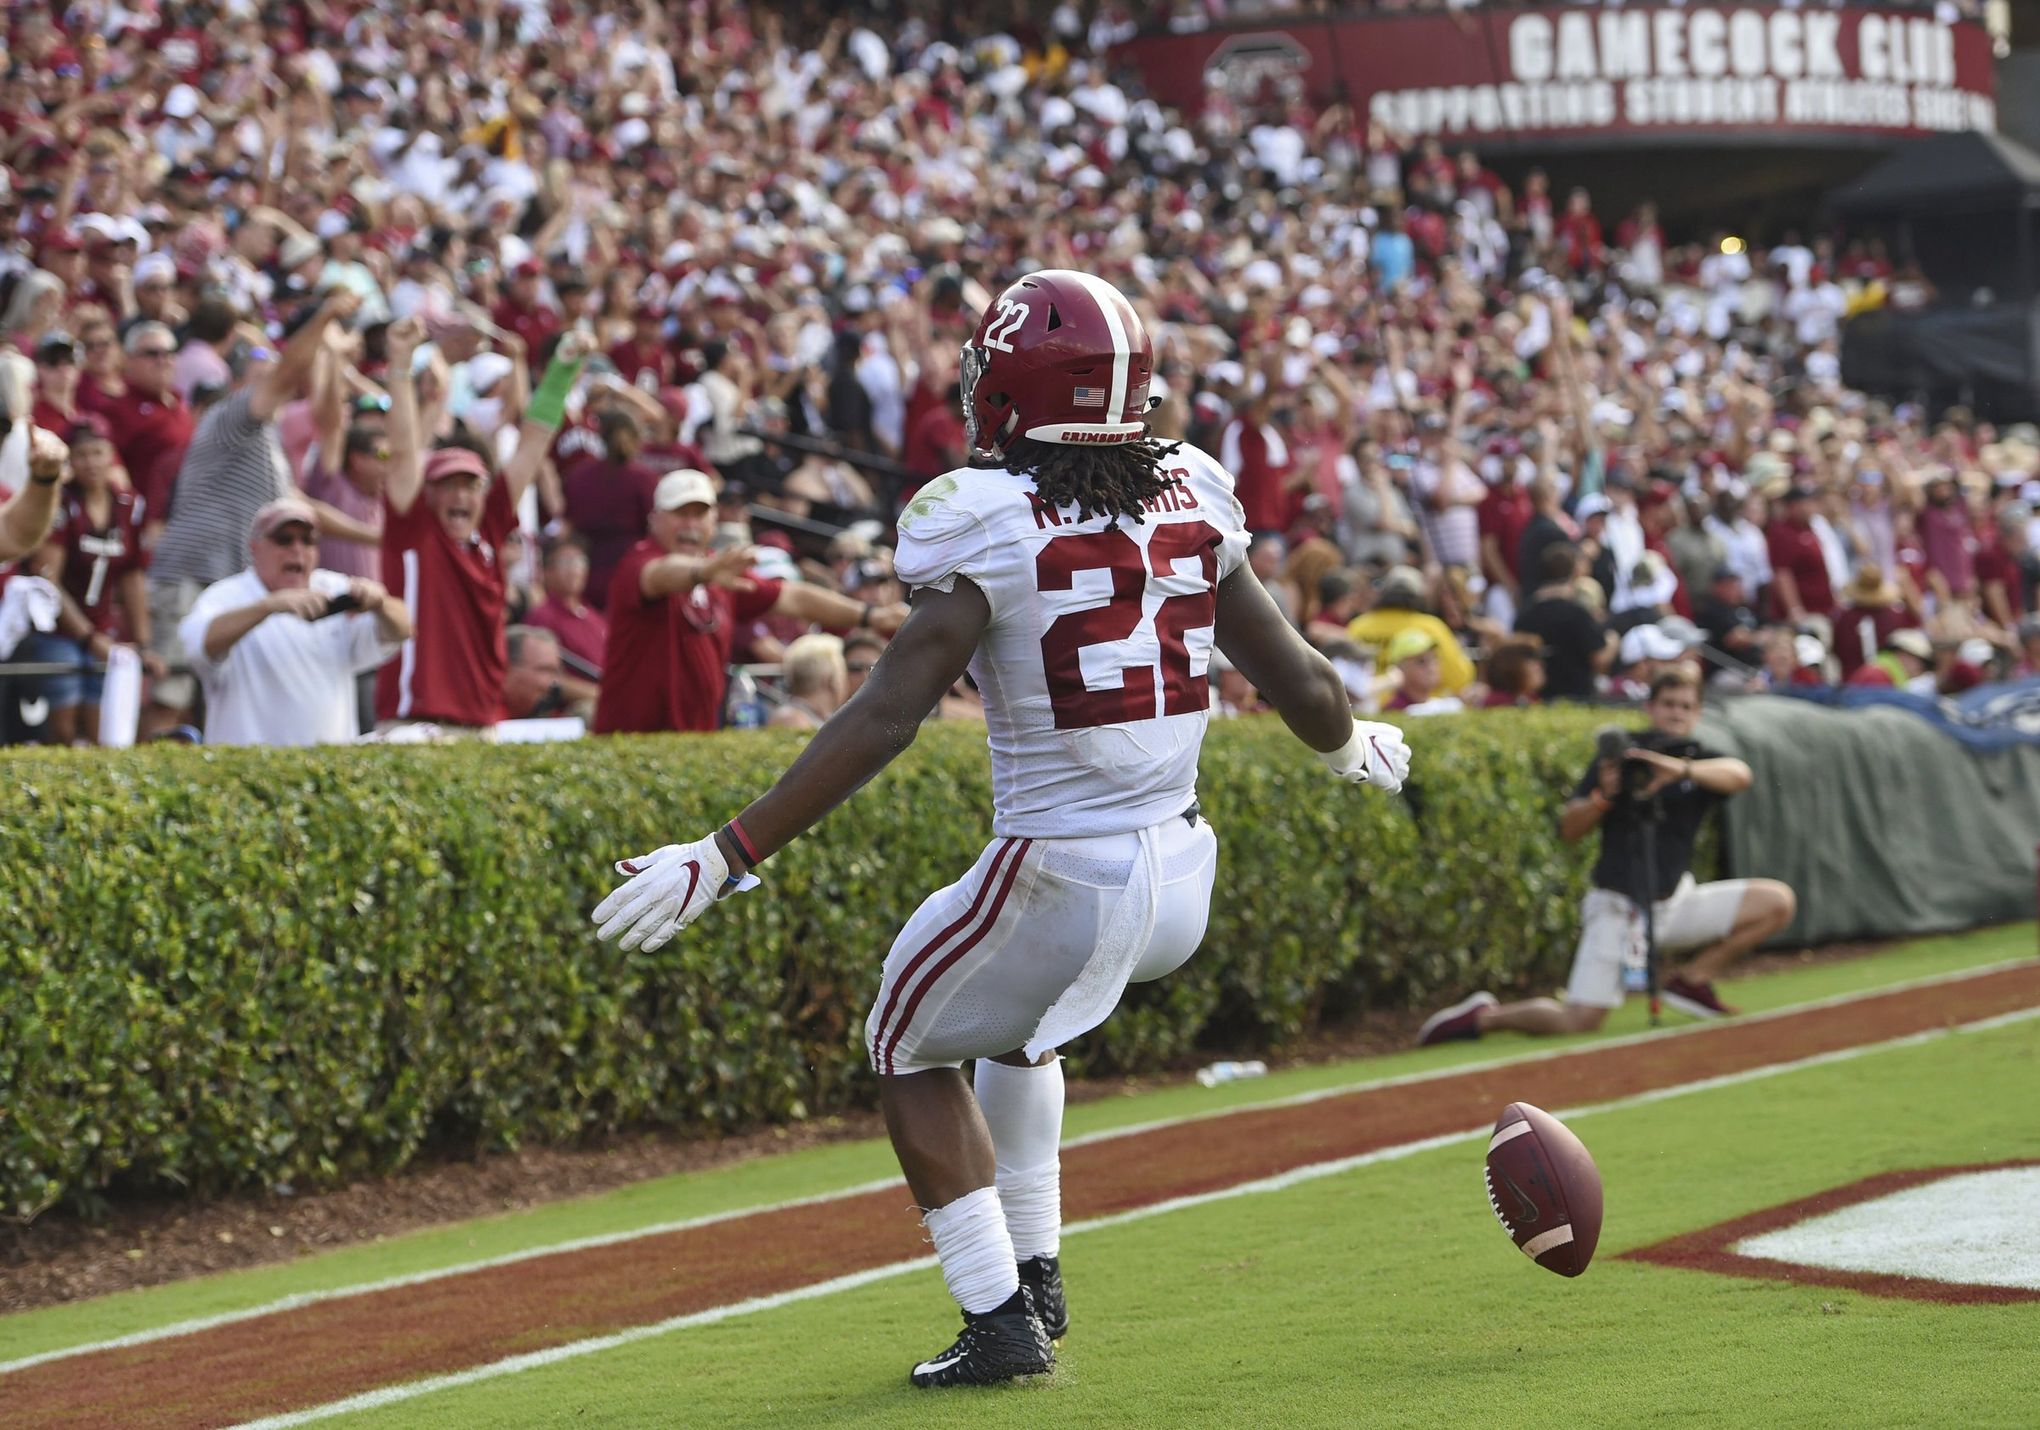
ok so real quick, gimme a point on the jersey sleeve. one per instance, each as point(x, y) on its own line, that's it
point(942, 538)
point(1213, 487)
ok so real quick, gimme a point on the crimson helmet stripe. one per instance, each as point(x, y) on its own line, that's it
point(1109, 303)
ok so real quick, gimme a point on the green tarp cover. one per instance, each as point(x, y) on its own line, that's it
point(1881, 823)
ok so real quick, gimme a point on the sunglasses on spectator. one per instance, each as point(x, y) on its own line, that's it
point(97, 345)
point(862, 667)
point(372, 402)
point(293, 538)
point(155, 352)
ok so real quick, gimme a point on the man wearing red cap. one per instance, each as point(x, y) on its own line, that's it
point(675, 608)
point(277, 645)
point(444, 515)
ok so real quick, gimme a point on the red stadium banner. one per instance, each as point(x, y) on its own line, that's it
point(1505, 75)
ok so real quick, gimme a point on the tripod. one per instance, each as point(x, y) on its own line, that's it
point(1647, 822)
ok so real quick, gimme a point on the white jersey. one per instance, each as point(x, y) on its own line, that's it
point(1094, 666)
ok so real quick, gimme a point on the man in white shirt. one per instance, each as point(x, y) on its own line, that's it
point(278, 645)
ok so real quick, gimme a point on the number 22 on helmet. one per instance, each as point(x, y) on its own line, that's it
point(1062, 357)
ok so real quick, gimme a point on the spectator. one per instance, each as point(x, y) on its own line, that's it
point(581, 629)
point(726, 379)
point(1449, 492)
point(1547, 528)
point(1872, 611)
point(817, 683)
point(1413, 656)
point(350, 480)
point(1516, 674)
point(147, 414)
point(1255, 452)
point(1232, 694)
point(1266, 557)
point(1340, 596)
point(609, 498)
point(94, 556)
point(1799, 569)
point(674, 609)
point(1376, 525)
point(275, 655)
point(1577, 647)
point(1907, 661)
point(56, 384)
point(536, 685)
point(1726, 616)
point(1401, 605)
point(444, 516)
point(203, 358)
point(861, 650)
point(232, 469)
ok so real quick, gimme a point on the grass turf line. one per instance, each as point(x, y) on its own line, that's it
point(819, 1170)
point(1387, 1296)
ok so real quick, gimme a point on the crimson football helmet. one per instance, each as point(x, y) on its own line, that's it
point(1060, 356)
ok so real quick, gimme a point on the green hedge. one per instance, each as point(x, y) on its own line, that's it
point(244, 967)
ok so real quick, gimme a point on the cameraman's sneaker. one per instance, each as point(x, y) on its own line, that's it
point(1460, 1022)
point(1000, 1345)
point(1042, 1276)
point(1695, 1000)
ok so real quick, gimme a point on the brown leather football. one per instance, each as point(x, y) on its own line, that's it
point(1544, 1188)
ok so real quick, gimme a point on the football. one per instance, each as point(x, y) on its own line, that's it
point(1544, 1188)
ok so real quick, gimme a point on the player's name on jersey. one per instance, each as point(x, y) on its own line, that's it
point(1175, 496)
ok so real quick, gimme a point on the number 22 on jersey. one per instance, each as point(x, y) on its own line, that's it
point(1077, 706)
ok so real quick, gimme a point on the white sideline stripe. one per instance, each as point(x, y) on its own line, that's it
point(1299, 1099)
point(1283, 1181)
point(300, 1300)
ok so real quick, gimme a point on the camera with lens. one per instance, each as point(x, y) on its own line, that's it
point(1612, 745)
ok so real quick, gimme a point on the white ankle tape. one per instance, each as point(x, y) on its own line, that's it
point(975, 1250)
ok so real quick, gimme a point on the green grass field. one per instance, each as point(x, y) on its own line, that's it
point(1384, 1295)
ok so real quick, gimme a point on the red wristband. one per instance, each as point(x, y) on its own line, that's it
point(745, 848)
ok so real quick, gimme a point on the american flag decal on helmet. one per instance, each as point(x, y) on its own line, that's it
point(1088, 397)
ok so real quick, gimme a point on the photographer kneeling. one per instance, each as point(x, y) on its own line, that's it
point(1672, 780)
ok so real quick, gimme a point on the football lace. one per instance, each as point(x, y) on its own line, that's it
point(1487, 1178)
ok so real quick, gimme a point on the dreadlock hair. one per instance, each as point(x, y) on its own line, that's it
point(1116, 481)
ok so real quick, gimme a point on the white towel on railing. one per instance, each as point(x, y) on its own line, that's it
point(120, 699)
point(29, 603)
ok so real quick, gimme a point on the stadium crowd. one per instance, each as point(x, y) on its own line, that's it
point(530, 342)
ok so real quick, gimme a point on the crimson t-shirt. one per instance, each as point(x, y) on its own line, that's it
point(608, 506)
point(1505, 515)
point(1795, 548)
point(1861, 631)
point(451, 669)
point(584, 633)
point(144, 428)
point(96, 557)
point(666, 665)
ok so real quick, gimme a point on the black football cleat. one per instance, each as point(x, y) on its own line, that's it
point(1042, 1275)
point(998, 1346)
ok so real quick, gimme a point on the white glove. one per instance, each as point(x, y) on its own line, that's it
point(1376, 755)
point(667, 891)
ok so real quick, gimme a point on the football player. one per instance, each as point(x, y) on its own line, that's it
point(1083, 572)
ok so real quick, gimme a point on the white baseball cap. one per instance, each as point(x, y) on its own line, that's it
point(687, 487)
